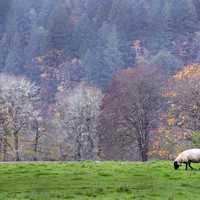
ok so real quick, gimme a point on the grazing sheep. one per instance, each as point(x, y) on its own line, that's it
point(187, 157)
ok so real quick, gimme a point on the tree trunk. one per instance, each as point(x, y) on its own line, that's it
point(92, 148)
point(143, 144)
point(4, 149)
point(78, 147)
point(16, 141)
point(144, 155)
point(36, 144)
point(78, 151)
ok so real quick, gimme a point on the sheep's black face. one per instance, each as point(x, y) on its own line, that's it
point(176, 165)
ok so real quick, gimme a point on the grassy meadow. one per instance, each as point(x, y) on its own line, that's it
point(98, 180)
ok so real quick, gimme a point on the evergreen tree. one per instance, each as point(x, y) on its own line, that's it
point(122, 15)
point(59, 26)
point(15, 57)
point(4, 9)
point(165, 60)
point(84, 36)
point(21, 18)
point(183, 16)
point(4, 50)
point(104, 60)
point(37, 44)
point(112, 54)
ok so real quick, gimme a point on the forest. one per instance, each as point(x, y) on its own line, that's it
point(99, 79)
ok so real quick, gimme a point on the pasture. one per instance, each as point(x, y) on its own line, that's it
point(98, 181)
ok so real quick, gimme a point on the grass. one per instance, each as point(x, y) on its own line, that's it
point(98, 180)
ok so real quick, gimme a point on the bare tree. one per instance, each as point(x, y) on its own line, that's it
point(78, 115)
point(5, 130)
point(38, 132)
point(134, 100)
point(19, 99)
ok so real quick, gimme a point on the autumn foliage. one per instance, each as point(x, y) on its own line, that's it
point(131, 107)
point(182, 116)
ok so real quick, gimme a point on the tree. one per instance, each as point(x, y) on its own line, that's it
point(182, 16)
point(166, 61)
point(15, 57)
point(60, 28)
point(38, 133)
point(78, 113)
point(5, 129)
point(180, 123)
point(196, 139)
point(169, 140)
point(184, 93)
point(4, 8)
point(121, 14)
point(84, 35)
point(105, 59)
point(4, 50)
point(37, 44)
point(135, 99)
point(19, 100)
point(20, 20)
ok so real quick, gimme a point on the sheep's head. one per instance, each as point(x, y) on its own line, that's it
point(176, 165)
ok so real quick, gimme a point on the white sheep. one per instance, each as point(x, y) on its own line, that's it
point(187, 157)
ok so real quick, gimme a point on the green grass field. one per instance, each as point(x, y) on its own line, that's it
point(98, 180)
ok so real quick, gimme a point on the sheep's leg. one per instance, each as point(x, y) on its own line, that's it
point(189, 163)
point(186, 166)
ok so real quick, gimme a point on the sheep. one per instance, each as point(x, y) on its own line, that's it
point(187, 157)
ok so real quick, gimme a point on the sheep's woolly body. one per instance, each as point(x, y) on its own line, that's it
point(192, 155)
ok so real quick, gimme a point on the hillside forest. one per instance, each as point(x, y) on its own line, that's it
point(99, 79)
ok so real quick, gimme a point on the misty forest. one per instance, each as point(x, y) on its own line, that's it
point(99, 79)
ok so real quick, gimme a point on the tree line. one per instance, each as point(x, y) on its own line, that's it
point(141, 115)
